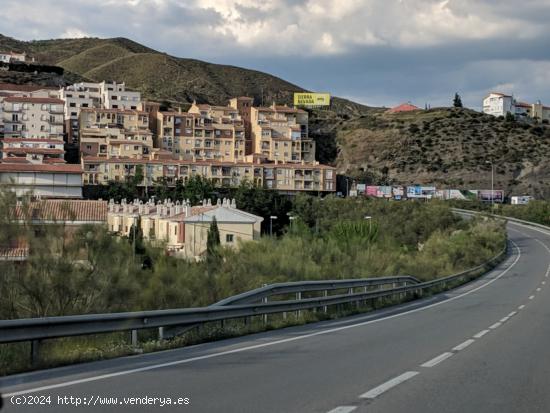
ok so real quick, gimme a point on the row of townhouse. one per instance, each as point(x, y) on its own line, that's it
point(184, 228)
point(284, 177)
point(500, 104)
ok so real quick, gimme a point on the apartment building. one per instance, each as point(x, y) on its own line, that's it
point(219, 133)
point(281, 133)
point(182, 228)
point(43, 180)
point(244, 104)
point(114, 132)
point(76, 97)
point(286, 178)
point(500, 104)
point(33, 129)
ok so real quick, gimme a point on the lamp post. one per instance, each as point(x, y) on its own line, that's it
point(271, 218)
point(492, 183)
point(290, 218)
point(369, 218)
point(134, 240)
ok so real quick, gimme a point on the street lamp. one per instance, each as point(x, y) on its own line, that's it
point(271, 218)
point(492, 183)
point(369, 218)
point(291, 218)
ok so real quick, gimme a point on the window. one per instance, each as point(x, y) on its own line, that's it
point(72, 105)
point(229, 238)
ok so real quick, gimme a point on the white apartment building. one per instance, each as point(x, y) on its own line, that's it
point(44, 180)
point(75, 97)
point(499, 104)
point(33, 120)
point(102, 95)
point(115, 96)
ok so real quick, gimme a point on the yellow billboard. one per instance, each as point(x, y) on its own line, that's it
point(311, 99)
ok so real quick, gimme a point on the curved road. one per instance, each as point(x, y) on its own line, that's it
point(483, 347)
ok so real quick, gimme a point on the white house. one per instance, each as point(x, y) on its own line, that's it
point(499, 104)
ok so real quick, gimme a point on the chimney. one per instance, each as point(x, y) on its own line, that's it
point(209, 203)
point(233, 203)
point(219, 202)
point(187, 210)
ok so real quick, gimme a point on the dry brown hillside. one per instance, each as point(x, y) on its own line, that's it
point(448, 147)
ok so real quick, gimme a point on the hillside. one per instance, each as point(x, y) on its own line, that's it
point(448, 147)
point(444, 146)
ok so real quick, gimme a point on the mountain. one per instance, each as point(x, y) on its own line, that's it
point(448, 147)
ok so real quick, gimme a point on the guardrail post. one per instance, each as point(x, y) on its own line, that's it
point(35, 347)
point(298, 297)
point(264, 300)
point(325, 307)
point(134, 338)
point(161, 333)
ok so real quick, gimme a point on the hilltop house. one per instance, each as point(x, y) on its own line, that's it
point(499, 104)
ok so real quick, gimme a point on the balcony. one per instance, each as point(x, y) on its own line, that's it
point(55, 110)
point(13, 109)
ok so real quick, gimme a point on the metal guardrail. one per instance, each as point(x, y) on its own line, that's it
point(54, 327)
point(504, 217)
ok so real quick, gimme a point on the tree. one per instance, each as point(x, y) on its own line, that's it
point(213, 240)
point(457, 101)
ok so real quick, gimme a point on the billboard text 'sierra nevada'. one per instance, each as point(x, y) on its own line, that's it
point(311, 99)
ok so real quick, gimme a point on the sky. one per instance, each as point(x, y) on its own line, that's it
point(376, 52)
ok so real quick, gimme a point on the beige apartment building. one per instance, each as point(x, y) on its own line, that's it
point(114, 133)
point(205, 132)
point(184, 229)
point(284, 177)
point(281, 133)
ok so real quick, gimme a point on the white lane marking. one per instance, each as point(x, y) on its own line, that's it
point(544, 283)
point(513, 313)
point(538, 289)
point(521, 307)
point(481, 333)
point(436, 360)
point(343, 409)
point(384, 387)
point(531, 297)
point(496, 325)
point(504, 319)
point(462, 346)
point(263, 345)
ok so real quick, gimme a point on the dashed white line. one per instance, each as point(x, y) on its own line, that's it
point(531, 297)
point(384, 387)
point(504, 319)
point(481, 334)
point(436, 360)
point(513, 313)
point(538, 289)
point(343, 409)
point(544, 283)
point(462, 346)
point(521, 307)
point(496, 325)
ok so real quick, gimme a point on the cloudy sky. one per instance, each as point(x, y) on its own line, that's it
point(377, 52)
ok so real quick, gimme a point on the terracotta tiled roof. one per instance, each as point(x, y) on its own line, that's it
point(15, 140)
point(44, 151)
point(25, 99)
point(63, 210)
point(523, 104)
point(24, 88)
point(17, 167)
point(405, 107)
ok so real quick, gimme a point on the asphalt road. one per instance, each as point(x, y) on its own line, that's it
point(481, 348)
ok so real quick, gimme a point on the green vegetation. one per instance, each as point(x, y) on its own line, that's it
point(535, 211)
point(87, 270)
